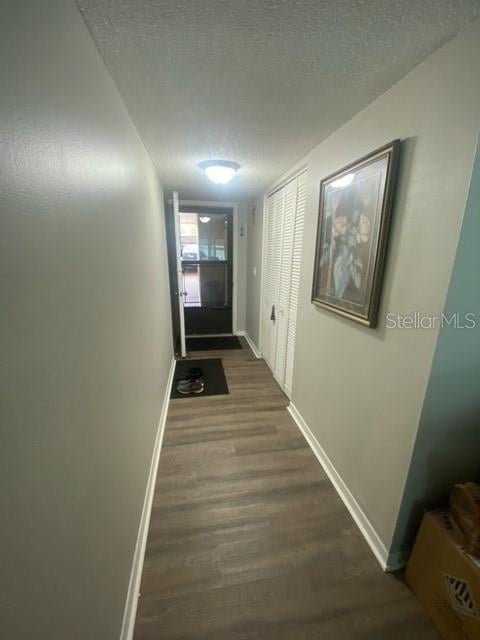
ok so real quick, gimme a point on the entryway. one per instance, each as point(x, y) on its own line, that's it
point(201, 266)
point(206, 245)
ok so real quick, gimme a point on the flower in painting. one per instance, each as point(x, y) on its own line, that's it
point(363, 229)
point(350, 231)
point(340, 226)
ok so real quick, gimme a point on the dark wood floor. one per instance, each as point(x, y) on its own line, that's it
point(248, 539)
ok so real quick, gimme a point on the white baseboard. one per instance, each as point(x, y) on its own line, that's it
point(256, 351)
point(387, 562)
point(239, 332)
point(130, 612)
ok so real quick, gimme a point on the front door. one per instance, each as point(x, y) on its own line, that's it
point(206, 241)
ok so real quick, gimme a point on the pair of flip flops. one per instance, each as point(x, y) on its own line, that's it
point(191, 382)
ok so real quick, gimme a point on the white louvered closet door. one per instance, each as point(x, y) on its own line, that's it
point(267, 285)
point(285, 269)
point(284, 225)
point(297, 245)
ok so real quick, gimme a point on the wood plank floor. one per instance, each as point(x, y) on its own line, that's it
point(248, 539)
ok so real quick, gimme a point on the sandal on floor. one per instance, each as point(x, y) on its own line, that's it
point(194, 386)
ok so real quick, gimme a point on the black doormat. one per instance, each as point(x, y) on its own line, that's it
point(213, 377)
point(213, 343)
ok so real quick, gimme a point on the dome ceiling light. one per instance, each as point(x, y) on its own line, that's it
point(219, 171)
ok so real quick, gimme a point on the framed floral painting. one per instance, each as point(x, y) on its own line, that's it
point(354, 216)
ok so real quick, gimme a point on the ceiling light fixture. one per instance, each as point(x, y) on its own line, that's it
point(204, 219)
point(219, 171)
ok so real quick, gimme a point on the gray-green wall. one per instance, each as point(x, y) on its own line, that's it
point(84, 329)
point(447, 447)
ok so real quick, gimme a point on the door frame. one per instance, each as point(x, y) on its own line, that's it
point(270, 191)
point(217, 204)
point(172, 271)
point(178, 256)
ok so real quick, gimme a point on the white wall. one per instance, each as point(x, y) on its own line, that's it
point(254, 270)
point(84, 327)
point(240, 287)
point(361, 390)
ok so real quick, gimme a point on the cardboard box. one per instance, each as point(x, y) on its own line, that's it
point(445, 579)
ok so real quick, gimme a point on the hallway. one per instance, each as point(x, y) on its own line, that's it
point(304, 174)
point(248, 539)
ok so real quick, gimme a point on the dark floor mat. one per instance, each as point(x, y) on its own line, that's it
point(213, 343)
point(213, 377)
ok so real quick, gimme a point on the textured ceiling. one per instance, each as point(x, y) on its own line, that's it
point(260, 82)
